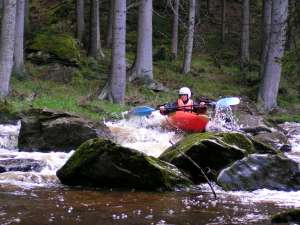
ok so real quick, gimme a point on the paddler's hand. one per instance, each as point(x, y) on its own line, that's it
point(202, 104)
point(162, 108)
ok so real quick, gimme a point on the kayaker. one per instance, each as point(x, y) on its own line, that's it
point(184, 103)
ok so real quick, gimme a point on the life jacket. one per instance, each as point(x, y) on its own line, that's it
point(185, 107)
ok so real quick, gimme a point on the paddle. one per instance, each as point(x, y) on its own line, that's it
point(147, 110)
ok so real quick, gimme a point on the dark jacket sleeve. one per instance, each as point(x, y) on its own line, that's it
point(199, 109)
point(170, 107)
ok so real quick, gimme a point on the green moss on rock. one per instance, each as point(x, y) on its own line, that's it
point(210, 151)
point(102, 163)
point(63, 46)
point(290, 216)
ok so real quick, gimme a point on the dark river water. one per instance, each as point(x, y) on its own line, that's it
point(39, 198)
point(78, 206)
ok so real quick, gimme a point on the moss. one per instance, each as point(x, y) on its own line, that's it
point(63, 46)
point(102, 163)
point(239, 140)
point(7, 112)
point(289, 216)
point(225, 139)
point(83, 156)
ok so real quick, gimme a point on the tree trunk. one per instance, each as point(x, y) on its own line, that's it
point(266, 29)
point(291, 35)
point(197, 9)
point(186, 67)
point(118, 69)
point(208, 6)
point(223, 21)
point(80, 24)
point(27, 20)
point(245, 54)
point(7, 41)
point(95, 44)
point(143, 67)
point(175, 29)
point(110, 24)
point(19, 38)
point(1, 7)
point(272, 72)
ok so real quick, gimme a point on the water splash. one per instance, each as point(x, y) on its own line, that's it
point(145, 134)
point(9, 136)
point(223, 120)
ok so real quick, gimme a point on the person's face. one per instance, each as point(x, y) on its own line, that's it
point(184, 97)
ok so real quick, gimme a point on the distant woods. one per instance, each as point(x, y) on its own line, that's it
point(99, 27)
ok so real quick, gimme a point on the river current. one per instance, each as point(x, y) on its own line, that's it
point(39, 197)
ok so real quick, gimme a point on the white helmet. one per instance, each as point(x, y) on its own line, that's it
point(185, 91)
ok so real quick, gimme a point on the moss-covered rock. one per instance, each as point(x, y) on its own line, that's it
point(63, 46)
point(102, 163)
point(290, 216)
point(211, 151)
point(7, 115)
point(261, 171)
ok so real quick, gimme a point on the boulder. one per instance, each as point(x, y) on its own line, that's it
point(211, 152)
point(7, 115)
point(256, 171)
point(23, 165)
point(48, 130)
point(102, 163)
point(290, 216)
point(275, 140)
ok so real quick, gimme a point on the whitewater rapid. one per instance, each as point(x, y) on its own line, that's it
point(144, 134)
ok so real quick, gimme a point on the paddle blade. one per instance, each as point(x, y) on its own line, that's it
point(228, 101)
point(142, 111)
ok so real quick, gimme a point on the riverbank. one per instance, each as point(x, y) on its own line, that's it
point(76, 89)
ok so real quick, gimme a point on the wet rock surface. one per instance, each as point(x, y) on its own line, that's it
point(48, 130)
point(291, 216)
point(102, 163)
point(23, 165)
point(275, 172)
point(211, 151)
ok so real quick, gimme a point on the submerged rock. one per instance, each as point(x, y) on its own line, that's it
point(48, 130)
point(290, 216)
point(102, 163)
point(23, 165)
point(275, 172)
point(212, 152)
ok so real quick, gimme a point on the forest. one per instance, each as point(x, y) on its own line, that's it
point(98, 58)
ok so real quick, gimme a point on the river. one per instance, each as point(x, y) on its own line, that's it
point(39, 198)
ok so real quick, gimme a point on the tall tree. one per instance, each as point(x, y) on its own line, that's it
point(292, 34)
point(223, 31)
point(272, 72)
point(143, 67)
point(7, 41)
point(174, 48)
point(95, 44)
point(19, 39)
point(186, 67)
point(27, 27)
point(197, 9)
point(80, 22)
point(266, 29)
point(110, 25)
point(1, 7)
point(208, 6)
point(245, 42)
point(118, 59)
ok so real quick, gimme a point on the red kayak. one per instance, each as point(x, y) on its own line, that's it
point(188, 121)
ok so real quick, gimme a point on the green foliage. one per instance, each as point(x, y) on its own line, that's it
point(63, 46)
point(291, 62)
